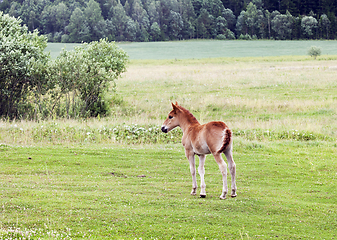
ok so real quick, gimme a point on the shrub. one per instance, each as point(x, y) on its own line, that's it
point(229, 34)
point(83, 76)
point(221, 37)
point(22, 68)
point(245, 37)
point(314, 51)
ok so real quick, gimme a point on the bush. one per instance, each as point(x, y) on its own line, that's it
point(245, 37)
point(221, 37)
point(31, 86)
point(23, 68)
point(83, 76)
point(228, 34)
point(314, 51)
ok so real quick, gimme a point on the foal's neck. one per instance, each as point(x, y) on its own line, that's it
point(188, 120)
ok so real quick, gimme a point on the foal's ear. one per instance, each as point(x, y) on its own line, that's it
point(175, 106)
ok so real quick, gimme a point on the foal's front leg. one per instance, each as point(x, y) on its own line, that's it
point(201, 171)
point(191, 158)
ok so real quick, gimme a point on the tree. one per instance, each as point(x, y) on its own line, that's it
point(130, 30)
point(4, 5)
point(221, 24)
point(109, 18)
point(255, 20)
point(95, 20)
point(241, 24)
point(29, 13)
point(143, 35)
point(47, 21)
point(188, 17)
point(251, 18)
point(268, 19)
point(137, 12)
point(258, 3)
point(282, 26)
point(176, 25)
point(111, 30)
point(230, 18)
point(119, 20)
point(14, 10)
point(204, 24)
point(309, 25)
point(214, 7)
point(62, 15)
point(325, 23)
point(261, 24)
point(78, 27)
point(54, 20)
point(153, 12)
point(22, 67)
point(197, 5)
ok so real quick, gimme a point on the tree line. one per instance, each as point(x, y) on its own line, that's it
point(160, 20)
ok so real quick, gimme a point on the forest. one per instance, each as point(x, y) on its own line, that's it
point(161, 20)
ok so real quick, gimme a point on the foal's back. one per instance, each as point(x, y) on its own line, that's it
point(214, 136)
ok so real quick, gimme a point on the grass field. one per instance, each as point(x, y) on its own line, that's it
point(285, 189)
point(212, 49)
point(119, 177)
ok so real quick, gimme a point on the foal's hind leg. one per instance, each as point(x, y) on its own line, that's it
point(223, 170)
point(232, 168)
point(201, 170)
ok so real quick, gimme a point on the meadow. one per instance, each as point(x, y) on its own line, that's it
point(119, 177)
point(286, 190)
point(200, 49)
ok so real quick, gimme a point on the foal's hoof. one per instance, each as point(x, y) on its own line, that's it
point(233, 195)
point(223, 197)
point(202, 196)
point(194, 191)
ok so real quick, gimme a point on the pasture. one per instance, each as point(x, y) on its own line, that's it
point(121, 178)
point(285, 189)
point(199, 49)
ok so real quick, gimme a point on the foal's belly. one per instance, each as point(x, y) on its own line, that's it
point(201, 149)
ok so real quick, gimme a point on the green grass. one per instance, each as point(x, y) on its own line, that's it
point(285, 189)
point(197, 49)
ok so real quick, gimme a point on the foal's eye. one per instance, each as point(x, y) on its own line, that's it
point(170, 117)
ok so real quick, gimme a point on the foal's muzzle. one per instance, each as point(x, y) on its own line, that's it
point(164, 129)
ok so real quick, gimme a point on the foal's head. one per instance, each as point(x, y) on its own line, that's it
point(172, 120)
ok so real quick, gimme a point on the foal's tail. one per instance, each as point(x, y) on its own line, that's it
point(226, 141)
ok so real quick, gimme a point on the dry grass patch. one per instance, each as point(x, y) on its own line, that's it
point(258, 95)
point(291, 93)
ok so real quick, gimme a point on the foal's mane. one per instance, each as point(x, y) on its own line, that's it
point(189, 115)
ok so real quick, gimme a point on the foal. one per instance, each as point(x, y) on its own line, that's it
point(212, 137)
